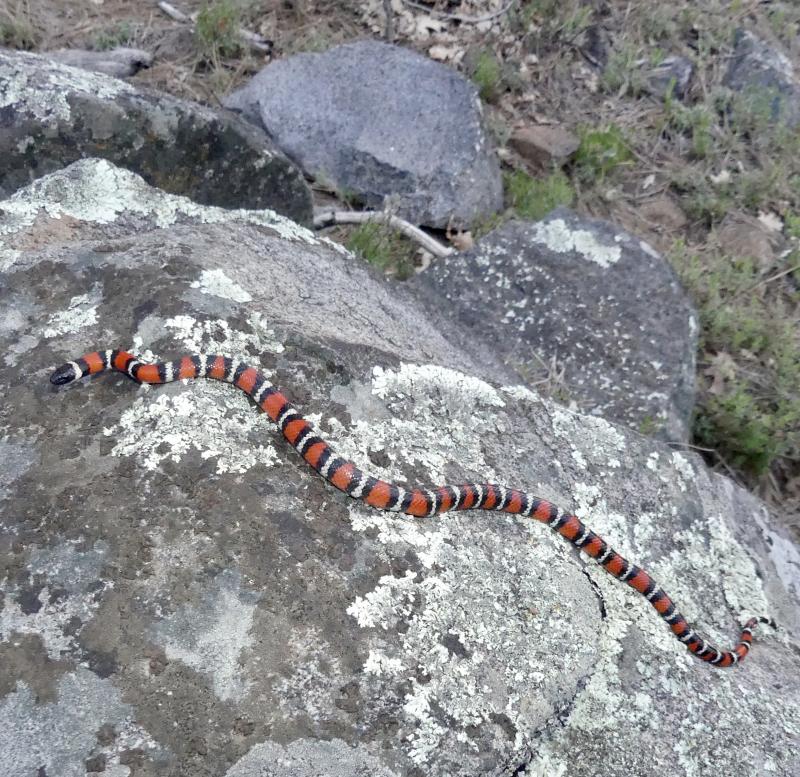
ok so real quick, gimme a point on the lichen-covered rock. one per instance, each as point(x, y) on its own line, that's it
point(181, 594)
point(52, 114)
point(766, 77)
point(423, 150)
point(598, 302)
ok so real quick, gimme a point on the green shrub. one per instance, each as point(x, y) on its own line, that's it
point(488, 76)
point(217, 30)
point(534, 198)
point(383, 248)
point(121, 34)
point(601, 152)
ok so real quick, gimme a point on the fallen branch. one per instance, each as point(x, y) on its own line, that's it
point(327, 217)
point(457, 17)
point(255, 40)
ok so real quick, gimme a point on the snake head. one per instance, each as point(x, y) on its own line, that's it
point(66, 373)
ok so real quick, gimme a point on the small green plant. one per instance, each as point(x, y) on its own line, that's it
point(792, 225)
point(487, 75)
point(121, 34)
point(217, 30)
point(534, 198)
point(696, 121)
point(383, 248)
point(623, 74)
point(601, 152)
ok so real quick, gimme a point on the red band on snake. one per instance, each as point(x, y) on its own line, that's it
point(347, 477)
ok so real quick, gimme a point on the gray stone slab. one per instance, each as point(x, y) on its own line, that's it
point(383, 124)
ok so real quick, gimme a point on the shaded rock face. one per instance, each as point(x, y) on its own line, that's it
point(600, 302)
point(767, 76)
point(172, 569)
point(52, 114)
point(424, 152)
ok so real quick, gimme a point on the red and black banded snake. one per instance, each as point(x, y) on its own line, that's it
point(383, 495)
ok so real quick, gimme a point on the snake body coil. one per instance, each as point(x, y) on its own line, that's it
point(383, 495)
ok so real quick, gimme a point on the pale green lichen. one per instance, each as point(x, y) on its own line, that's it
point(96, 191)
point(560, 238)
point(38, 87)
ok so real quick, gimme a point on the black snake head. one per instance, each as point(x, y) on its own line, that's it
point(66, 373)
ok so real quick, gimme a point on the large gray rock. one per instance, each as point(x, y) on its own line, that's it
point(182, 595)
point(765, 75)
point(384, 124)
point(601, 303)
point(52, 114)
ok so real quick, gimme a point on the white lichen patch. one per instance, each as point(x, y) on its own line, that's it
point(429, 384)
point(209, 418)
point(216, 336)
point(212, 634)
point(94, 190)
point(400, 531)
point(593, 440)
point(8, 256)
point(521, 394)
point(560, 238)
point(308, 685)
point(216, 282)
point(57, 737)
point(435, 413)
point(63, 567)
point(304, 757)
point(80, 313)
point(684, 469)
point(391, 600)
point(38, 87)
point(725, 569)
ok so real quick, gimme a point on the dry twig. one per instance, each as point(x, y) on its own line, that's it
point(327, 217)
point(256, 41)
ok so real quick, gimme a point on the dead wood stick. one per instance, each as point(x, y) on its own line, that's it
point(325, 217)
point(255, 40)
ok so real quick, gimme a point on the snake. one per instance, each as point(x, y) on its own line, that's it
point(419, 502)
